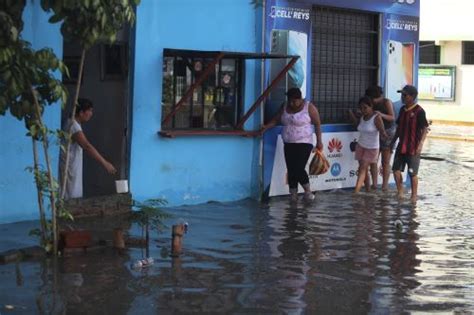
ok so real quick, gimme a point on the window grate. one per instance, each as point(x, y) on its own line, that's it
point(468, 52)
point(345, 59)
point(430, 53)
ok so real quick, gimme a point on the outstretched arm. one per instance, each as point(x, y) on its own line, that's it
point(315, 119)
point(273, 121)
point(81, 139)
point(353, 117)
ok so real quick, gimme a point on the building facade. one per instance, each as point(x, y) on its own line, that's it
point(172, 96)
point(447, 39)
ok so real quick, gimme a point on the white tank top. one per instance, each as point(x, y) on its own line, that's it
point(369, 134)
point(297, 127)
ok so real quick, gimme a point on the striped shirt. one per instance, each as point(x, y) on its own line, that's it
point(410, 125)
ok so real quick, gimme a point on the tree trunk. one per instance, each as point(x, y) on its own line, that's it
point(40, 194)
point(76, 97)
point(52, 195)
point(147, 240)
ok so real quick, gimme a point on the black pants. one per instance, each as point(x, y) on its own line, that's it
point(296, 157)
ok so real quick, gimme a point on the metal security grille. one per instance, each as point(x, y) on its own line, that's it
point(430, 53)
point(345, 59)
point(468, 52)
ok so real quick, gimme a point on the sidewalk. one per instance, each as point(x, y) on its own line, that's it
point(452, 131)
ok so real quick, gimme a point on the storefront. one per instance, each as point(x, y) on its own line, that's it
point(345, 46)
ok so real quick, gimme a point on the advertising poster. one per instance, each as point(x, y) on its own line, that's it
point(436, 82)
point(288, 30)
point(399, 53)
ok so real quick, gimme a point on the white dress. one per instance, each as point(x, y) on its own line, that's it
point(74, 174)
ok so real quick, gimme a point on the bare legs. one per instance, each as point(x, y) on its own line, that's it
point(414, 187)
point(373, 175)
point(363, 168)
point(386, 155)
point(399, 182)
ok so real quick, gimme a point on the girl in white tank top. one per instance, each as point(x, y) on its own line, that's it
point(367, 150)
point(369, 134)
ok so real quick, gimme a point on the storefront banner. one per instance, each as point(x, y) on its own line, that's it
point(287, 32)
point(399, 57)
point(408, 7)
point(342, 171)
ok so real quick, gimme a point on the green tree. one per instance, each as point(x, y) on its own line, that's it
point(27, 86)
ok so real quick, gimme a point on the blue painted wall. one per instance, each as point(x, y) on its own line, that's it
point(189, 170)
point(17, 190)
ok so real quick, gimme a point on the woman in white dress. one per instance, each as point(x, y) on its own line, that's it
point(84, 112)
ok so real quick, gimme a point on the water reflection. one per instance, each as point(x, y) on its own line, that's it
point(341, 254)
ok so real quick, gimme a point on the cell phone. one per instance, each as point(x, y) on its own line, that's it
point(399, 67)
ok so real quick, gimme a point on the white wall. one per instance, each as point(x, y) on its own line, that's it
point(449, 22)
point(446, 20)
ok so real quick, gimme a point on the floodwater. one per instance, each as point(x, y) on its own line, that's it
point(343, 254)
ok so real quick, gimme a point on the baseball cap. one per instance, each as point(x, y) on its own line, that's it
point(409, 90)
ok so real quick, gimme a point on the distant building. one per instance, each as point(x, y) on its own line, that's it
point(447, 39)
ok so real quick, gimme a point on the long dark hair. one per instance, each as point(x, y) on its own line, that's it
point(366, 100)
point(374, 91)
point(83, 104)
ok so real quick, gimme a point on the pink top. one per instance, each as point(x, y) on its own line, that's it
point(297, 127)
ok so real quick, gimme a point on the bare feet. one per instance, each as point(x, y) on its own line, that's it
point(308, 196)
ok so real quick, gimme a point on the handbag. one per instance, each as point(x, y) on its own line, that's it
point(319, 164)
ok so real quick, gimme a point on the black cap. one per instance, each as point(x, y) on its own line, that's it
point(294, 93)
point(409, 90)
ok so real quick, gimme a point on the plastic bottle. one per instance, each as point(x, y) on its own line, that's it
point(143, 263)
point(181, 221)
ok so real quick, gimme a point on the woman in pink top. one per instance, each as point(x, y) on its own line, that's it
point(297, 117)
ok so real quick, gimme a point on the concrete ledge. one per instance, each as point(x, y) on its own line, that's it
point(452, 123)
point(450, 137)
point(100, 205)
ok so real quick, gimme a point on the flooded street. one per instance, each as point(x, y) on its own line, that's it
point(369, 253)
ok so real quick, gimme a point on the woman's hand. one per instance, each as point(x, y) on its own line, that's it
point(318, 147)
point(109, 167)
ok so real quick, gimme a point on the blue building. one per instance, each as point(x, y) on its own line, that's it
point(204, 150)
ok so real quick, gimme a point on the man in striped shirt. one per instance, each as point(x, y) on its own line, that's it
point(412, 128)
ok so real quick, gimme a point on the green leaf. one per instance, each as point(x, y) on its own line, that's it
point(56, 18)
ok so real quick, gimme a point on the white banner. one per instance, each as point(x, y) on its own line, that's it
point(342, 172)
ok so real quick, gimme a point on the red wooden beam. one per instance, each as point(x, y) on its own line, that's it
point(189, 92)
point(266, 92)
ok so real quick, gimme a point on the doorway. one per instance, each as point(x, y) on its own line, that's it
point(105, 82)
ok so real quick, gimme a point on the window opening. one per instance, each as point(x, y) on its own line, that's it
point(468, 52)
point(430, 53)
point(203, 92)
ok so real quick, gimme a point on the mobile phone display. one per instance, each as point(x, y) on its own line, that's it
point(399, 67)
